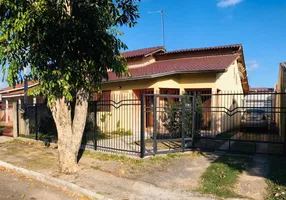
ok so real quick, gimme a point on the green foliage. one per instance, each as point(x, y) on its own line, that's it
point(104, 116)
point(121, 131)
point(276, 179)
point(179, 115)
point(220, 178)
point(69, 45)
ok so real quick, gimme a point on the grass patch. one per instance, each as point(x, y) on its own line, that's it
point(110, 157)
point(220, 178)
point(276, 179)
point(50, 137)
point(138, 161)
point(20, 142)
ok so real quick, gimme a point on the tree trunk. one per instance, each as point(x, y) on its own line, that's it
point(70, 130)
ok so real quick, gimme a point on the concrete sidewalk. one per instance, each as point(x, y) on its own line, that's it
point(105, 175)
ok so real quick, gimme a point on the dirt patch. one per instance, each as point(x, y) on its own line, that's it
point(182, 173)
point(4, 138)
point(252, 183)
point(29, 155)
point(172, 171)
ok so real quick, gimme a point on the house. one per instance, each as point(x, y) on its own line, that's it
point(281, 98)
point(210, 70)
point(10, 95)
point(206, 71)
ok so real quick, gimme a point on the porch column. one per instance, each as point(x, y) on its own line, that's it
point(156, 102)
point(7, 111)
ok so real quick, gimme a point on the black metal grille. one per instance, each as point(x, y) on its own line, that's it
point(250, 123)
point(116, 128)
point(142, 123)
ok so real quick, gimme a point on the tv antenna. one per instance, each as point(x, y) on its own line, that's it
point(163, 23)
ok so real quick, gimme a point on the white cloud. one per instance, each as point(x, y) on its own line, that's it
point(252, 65)
point(227, 3)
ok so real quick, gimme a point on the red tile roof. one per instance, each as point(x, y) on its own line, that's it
point(203, 49)
point(18, 87)
point(183, 65)
point(143, 52)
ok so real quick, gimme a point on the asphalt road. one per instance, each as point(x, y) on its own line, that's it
point(14, 186)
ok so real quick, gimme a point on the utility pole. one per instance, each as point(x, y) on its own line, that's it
point(163, 24)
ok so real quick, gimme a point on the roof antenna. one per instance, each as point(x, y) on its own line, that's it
point(163, 24)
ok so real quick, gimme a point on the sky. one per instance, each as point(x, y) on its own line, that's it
point(259, 25)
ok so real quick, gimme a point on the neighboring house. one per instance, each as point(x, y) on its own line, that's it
point(210, 70)
point(261, 98)
point(281, 99)
point(11, 94)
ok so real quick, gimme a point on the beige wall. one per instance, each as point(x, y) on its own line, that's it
point(280, 101)
point(129, 116)
point(181, 81)
point(229, 82)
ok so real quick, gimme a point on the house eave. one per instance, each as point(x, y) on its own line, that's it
point(163, 74)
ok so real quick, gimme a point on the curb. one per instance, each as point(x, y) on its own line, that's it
point(54, 181)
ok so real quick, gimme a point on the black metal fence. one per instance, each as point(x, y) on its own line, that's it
point(143, 123)
point(245, 123)
point(113, 124)
point(35, 121)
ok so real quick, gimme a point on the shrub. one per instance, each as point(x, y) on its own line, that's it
point(178, 113)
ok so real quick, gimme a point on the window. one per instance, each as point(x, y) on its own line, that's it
point(170, 92)
point(103, 100)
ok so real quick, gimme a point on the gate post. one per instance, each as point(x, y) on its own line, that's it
point(142, 127)
point(15, 120)
point(155, 124)
point(36, 121)
point(183, 143)
point(194, 118)
point(95, 129)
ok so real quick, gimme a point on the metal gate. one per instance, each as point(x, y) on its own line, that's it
point(244, 123)
point(226, 121)
point(167, 123)
point(113, 124)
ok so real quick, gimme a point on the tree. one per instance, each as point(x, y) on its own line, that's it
point(69, 45)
